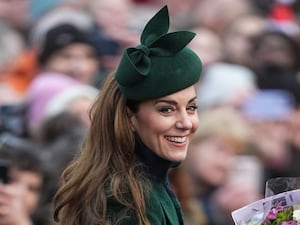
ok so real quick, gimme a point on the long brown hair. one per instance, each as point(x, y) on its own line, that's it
point(104, 168)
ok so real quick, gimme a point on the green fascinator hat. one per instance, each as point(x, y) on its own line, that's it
point(161, 64)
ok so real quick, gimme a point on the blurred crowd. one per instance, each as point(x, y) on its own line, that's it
point(55, 54)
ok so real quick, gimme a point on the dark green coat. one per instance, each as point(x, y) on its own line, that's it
point(160, 208)
point(162, 205)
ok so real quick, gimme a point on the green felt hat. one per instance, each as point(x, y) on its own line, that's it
point(161, 64)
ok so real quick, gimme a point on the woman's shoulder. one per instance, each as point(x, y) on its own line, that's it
point(159, 208)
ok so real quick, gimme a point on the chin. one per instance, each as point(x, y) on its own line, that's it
point(178, 158)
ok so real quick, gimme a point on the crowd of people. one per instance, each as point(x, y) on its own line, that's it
point(56, 54)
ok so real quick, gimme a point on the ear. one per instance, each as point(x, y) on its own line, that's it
point(131, 117)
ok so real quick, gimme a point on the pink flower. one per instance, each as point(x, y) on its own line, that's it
point(291, 222)
point(273, 213)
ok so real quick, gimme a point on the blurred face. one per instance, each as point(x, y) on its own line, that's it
point(295, 128)
point(166, 125)
point(76, 60)
point(271, 140)
point(15, 12)
point(31, 183)
point(207, 45)
point(80, 108)
point(210, 160)
point(104, 9)
point(218, 13)
point(238, 39)
point(275, 50)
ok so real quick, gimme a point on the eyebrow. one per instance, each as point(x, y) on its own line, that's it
point(172, 102)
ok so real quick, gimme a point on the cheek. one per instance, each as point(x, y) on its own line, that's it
point(93, 64)
point(148, 126)
point(196, 122)
point(145, 122)
point(32, 199)
point(88, 64)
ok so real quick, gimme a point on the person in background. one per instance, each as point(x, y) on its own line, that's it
point(118, 33)
point(43, 89)
point(225, 84)
point(16, 14)
point(108, 50)
point(142, 123)
point(208, 45)
point(185, 190)
point(11, 46)
point(68, 50)
point(294, 170)
point(221, 137)
point(276, 63)
point(17, 65)
point(22, 193)
point(217, 15)
point(120, 28)
point(269, 113)
point(238, 39)
point(52, 93)
point(76, 101)
point(60, 137)
point(12, 112)
point(25, 67)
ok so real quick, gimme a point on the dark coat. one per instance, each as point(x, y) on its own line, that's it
point(162, 205)
point(160, 209)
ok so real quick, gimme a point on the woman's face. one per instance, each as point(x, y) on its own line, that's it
point(166, 125)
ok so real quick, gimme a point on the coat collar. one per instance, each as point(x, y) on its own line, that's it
point(154, 166)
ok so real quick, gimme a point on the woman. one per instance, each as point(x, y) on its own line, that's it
point(141, 126)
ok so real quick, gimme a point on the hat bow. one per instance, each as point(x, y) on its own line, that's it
point(155, 42)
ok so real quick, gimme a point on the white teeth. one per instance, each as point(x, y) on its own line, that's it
point(177, 139)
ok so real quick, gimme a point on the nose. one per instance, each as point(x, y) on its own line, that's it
point(184, 121)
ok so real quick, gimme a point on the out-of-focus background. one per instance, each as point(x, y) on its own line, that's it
point(55, 54)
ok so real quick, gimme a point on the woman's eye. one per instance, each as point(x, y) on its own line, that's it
point(193, 108)
point(166, 109)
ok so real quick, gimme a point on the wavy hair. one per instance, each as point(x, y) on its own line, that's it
point(104, 168)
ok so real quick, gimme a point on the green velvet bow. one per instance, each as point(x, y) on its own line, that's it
point(155, 42)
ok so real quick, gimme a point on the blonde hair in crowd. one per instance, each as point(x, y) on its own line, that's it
point(104, 168)
point(225, 122)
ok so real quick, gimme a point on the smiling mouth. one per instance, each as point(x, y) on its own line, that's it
point(176, 139)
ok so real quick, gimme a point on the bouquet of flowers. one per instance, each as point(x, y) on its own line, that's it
point(283, 216)
point(280, 207)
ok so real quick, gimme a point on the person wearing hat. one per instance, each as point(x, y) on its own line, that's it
point(69, 50)
point(141, 126)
